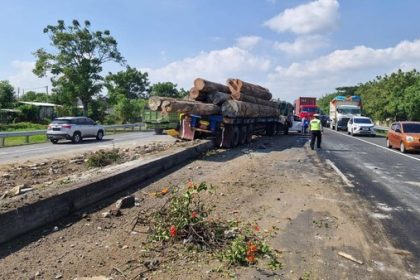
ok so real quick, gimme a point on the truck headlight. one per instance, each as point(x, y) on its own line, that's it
point(409, 138)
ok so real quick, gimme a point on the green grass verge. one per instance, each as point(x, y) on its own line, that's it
point(19, 140)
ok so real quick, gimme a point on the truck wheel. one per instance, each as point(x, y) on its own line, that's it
point(249, 134)
point(235, 137)
point(270, 129)
point(54, 141)
point(286, 130)
point(243, 134)
point(158, 131)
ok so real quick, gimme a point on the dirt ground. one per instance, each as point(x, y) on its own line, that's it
point(276, 183)
point(29, 181)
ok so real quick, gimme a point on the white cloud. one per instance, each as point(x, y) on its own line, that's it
point(25, 79)
point(314, 17)
point(216, 65)
point(302, 45)
point(342, 67)
point(247, 42)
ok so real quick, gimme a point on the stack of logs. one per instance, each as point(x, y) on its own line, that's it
point(236, 99)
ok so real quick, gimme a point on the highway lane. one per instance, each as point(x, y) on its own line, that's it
point(381, 141)
point(49, 150)
point(389, 180)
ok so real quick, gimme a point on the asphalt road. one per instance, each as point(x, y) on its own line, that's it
point(49, 150)
point(389, 180)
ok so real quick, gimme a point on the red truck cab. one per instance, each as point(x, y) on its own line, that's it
point(306, 107)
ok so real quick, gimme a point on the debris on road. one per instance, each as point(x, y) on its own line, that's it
point(125, 202)
point(349, 257)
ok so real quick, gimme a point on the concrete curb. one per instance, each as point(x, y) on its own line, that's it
point(29, 217)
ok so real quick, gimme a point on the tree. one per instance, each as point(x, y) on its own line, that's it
point(129, 110)
point(77, 64)
point(36, 97)
point(167, 89)
point(7, 94)
point(130, 83)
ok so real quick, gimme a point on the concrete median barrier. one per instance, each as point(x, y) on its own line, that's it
point(29, 217)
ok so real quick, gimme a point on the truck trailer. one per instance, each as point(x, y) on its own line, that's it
point(342, 109)
point(230, 113)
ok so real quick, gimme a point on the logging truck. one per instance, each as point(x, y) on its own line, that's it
point(230, 113)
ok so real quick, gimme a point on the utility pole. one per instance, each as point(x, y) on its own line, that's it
point(46, 88)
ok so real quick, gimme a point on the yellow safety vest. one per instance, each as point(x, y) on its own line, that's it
point(315, 124)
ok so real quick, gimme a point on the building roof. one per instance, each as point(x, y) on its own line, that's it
point(41, 104)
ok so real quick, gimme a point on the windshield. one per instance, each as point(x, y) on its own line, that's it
point(356, 120)
point(310, 109)
point(352, 111)
point(411, 127)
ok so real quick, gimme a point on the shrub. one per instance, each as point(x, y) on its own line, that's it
point(103, 158)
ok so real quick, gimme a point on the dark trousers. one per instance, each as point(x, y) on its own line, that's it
point(316, 134)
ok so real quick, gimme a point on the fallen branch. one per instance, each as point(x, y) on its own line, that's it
point(349, 257)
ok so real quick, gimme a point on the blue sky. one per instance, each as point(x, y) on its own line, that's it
point(295, 48)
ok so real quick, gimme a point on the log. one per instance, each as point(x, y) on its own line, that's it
point(207, 86)
point(197, 95)
point(251, 99)
point(236, 85)
point(217, 98)
point(233, 109)
point(189, 107)
point(155, 103)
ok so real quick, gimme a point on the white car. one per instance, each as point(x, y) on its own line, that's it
point(296, 125)
point(74, 129)
point(361, 126)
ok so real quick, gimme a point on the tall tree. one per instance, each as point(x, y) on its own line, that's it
point(130, 83)
point(36, 97)
point(77, 65)
point(7, 94)
point(167, 89)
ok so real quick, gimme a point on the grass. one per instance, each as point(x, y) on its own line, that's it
point(20, 140)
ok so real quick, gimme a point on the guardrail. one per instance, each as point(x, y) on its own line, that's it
point(27, 134)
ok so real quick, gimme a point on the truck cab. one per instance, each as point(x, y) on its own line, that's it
point(342, 109)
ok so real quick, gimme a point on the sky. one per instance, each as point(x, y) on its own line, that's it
point(292, 47)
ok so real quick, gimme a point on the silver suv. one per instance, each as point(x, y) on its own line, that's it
point(74, 129)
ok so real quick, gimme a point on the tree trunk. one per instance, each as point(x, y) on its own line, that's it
point(207, 86)
point(85, 108)
point(236, 85)
point(233, 109)
point(189, 107)
point(251, 99)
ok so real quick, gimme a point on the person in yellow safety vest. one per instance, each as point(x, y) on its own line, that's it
point(315, 128)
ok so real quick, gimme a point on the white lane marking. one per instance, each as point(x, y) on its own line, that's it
point(341, 174)
point(379, 146)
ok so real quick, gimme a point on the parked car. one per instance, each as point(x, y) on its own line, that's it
point(74, 129)
point(360, 126)
point(325, 120)
point(404, 135)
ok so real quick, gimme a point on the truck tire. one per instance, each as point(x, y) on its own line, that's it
point(243, 134)
point(235, 137)
point(249, 133)
point(269, 129)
